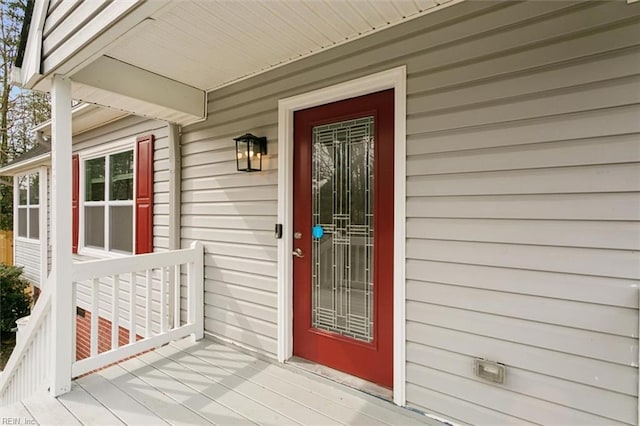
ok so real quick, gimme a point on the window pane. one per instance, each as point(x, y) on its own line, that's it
point(121, 176)
point(94, 179)
point(22, 190)
point(34, 189)
point(22, 222)
point(121, 228)
point(94, 226)
point(34, 223)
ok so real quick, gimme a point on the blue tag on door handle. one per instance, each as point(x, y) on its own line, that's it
point(317, 232)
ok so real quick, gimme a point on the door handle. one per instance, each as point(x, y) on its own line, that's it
point(298, 253)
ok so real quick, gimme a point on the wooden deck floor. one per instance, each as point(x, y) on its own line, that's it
point(207, 383)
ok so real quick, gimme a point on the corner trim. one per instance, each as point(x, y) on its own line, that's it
point(394, 78)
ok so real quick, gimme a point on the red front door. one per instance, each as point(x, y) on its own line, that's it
point(343, 236)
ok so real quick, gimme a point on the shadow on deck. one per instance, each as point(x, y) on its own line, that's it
point(208, 383)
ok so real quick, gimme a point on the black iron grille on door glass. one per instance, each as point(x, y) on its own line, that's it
point(342, 205)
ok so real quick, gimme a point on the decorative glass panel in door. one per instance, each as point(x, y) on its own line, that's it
point(342, 208)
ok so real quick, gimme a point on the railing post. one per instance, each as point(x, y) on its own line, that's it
point(195, 287)
point(62, 263)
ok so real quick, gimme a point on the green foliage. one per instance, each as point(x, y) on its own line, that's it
point(6, 204)
point(14, 301)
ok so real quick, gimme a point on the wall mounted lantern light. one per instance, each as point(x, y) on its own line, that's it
point(249, 152)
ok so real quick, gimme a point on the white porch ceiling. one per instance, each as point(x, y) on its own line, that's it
point(209, 43)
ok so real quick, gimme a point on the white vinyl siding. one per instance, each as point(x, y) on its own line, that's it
point(523, 202)
point(70, 23)
point(522, 224)
point(28, 257)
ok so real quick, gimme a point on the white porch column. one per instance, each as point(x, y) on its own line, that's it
point(61, 185)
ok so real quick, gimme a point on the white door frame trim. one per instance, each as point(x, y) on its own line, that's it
point(391, 79)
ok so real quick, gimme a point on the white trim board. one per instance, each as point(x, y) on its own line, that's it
point(391, 79)
point(25, 166)
point(44, 228)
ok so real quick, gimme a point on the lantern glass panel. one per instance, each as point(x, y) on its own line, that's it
point(255, 156)
point(242, 152)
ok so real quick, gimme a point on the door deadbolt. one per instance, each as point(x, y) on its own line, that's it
point(297, 235)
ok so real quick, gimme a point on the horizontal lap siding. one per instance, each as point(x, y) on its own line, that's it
point(27, 255)
point(233, 214)
point(66, 19)
point(523, 200)
point(70, 24)
point(523, 205)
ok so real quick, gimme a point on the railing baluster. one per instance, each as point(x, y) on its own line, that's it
point(170, 297)
point(132, 307)
point(28, 370)
point(163, 299)
point(41, 349)
point(115, 312)
point(195, 290)
point(74, 322)
point(95, 314)
point(149, 296)
point(176, 296)
point(20, 380)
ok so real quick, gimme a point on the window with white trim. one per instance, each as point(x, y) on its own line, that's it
point(108, 202)
point(28, 187)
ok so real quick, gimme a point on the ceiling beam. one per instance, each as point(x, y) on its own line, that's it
point(124, 79)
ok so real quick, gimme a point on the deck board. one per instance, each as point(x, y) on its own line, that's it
point(127, 409)
point(210, 383)
point(292, 407)
point(152, 398)
point(219, 387)
point(48, 411)
point(87, 409)
point(17, 411)
point(182, 394)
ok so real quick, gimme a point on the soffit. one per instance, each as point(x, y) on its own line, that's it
point(207, 44)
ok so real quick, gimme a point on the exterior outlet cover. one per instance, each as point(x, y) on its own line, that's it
point(489, 370)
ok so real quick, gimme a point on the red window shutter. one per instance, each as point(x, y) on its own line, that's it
point(144, 194)
point(75, 206)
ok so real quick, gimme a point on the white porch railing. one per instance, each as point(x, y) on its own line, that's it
point(141, 294)
point(28, 367)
